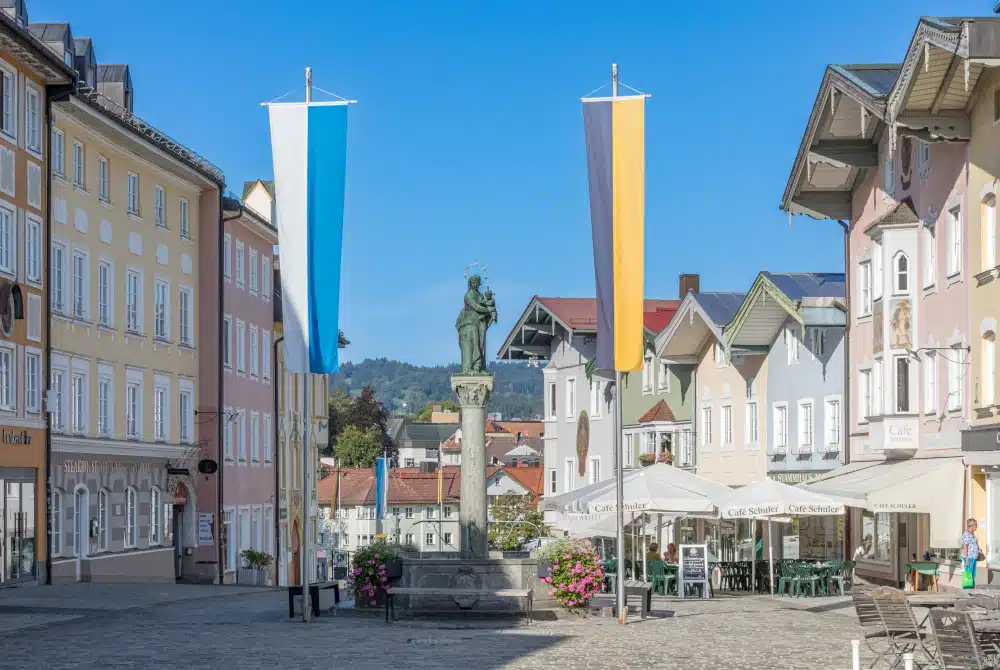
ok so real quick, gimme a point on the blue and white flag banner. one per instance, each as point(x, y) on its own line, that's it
point(309, 149)
point(381, 487)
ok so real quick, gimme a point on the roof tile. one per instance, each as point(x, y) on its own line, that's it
point(659, 412)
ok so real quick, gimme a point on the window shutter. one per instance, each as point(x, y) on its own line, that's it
point(35, 185)
point(7, 171)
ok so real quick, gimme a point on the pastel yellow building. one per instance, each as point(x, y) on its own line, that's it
point(133, 211)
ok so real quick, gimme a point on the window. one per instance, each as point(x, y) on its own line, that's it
point(159, 207)
point(553, 483)
point(752, 424)
point(254, 437)
point(257, 535)
point(552, 400)
point(570, 398)
point(265, 354)
point(79, 397)
point(269, 530)
point(55, 522)
point(133, 298)
point(78, 165)
point(80, 285)
point(227, 433)
point(817, 342)
point(647, 375)
point(570, 474)
point(240, 277)
point(185, 223)
point(185, 317)
point(133, 406)
point(133, 193)
point(954, 241)
point(241, 347)
point(254, 358)
point(595, 470)
point(33, 249)
point(923, 159)
point(104, 400)
point(160, 298)
point(266, 430)
point(33, 122)
point(154, 516)
point(930, 256)
point(989, 233)
point(956, 378)
point(429, 539)
point(59, 392)
point(241, 434)
point(265, 277)
point(32, 381)
point(102, 179)
point(104, 294)
point(889, 174)
point(727, 425)
point(901, 274)
point(8, 224)
point(58, 152)
point(227, 256)
point(131, 518)
point(687, 455)
point(8, 393)
point(409, 512)
point(865, 288)
point(447, 512)
point(227, 324)
point(780, 428)
point(664, 379)
point(792, 343)
point(254, 269)
point(58, 277)
point(878, 525)
point(706, 426)
point(832, 421)
point(595, 398)
point(102, 520)
point(902, 384)
point(186, 415)
point(930, 383)
point(989, 368)
point(160, 417)
point(805, 424)
point(230, 539)
point(719, 354)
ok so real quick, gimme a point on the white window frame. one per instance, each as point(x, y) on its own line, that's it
point(32, 380)
point(955, 242)
point(594, 471)
point(596, 399)
point(185, 411)
point(161, 409)
point(900, 274)
point(989, 254)
point(133, 303)
point(134, 382)
point(792, 344)
point(58, 386)
point(551, 402)
point(79, 165)
point(752, 411)
point(131, 518)
point(240, 264)
point(923, 152)
point(254, 351)
point(989, 374)
point(570, 386)
point(33, 119)
point(569, 470)
point(647, 375)
point(80, 283)
point(265, 355)
point(184, 218)
point(930, 255)
point(105, 401)
point(58, 153)
point(133, 194)
point(833, 417)
point(103, 518)
point(726, 424)
point(227, 256)
point(103, 179)
point(864, 288)
point(877, 388)
point(105, 294)
point(160, 206)
point(705, 430)
point(8, 239)
point(79, 400)
point(185, 315)
point(553, 481)
point(254, 437)
point(663, 380)
point(254, 272)
point(266, 433)
point(930, 372)
point(817, 341)
point(227, 341)
point(865, 395)
point(8, 377)
point(161, 309)
point(956, 379)
point(9, 105)
point(155, 516)
point(58, 280)
point(896, 361)
point(228, 443)
point(806, 425)
point(265, 278)
point(241, 435)
point(55, 522)
point(779, 412)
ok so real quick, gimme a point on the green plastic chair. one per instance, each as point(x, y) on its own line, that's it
point(611, 574)
point(805, 576)
point(842, 574)
point(657, 573)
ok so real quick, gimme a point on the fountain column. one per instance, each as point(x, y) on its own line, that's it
point(473, 394)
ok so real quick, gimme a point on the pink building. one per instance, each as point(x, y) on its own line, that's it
point(248, 415)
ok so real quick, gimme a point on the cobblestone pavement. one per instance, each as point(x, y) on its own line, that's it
point(219, 627)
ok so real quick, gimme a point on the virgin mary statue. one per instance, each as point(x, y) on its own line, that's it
point(478, 313)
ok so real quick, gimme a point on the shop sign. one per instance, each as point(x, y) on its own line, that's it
point(603, 508)
point(981, 439)
point(15, 437)
point(794, 477)
point(694, 568)
point(206, 529)
point(106, 467)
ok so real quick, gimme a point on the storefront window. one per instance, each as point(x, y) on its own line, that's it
point(878, 526)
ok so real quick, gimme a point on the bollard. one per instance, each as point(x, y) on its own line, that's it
point(908, 661)
point(856, 654)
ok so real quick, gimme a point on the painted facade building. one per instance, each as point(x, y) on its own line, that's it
point(250, 475)
point(31, 75)
point(887, 148)
point(134, 215)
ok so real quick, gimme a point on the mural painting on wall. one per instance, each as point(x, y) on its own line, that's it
point(902, 323)
point(582, 442)
point(878, 332)
point(906, 162)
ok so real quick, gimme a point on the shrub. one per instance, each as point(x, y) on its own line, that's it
point(256, 560)
point(368, 571)
point(646, 459)
point(577, 573)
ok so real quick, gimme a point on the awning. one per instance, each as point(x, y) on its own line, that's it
point(931, 486)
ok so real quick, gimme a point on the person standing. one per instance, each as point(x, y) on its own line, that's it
point(970, 552)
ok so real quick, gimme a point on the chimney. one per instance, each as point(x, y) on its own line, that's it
point(688, 283)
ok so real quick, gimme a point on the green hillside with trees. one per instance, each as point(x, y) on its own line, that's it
point(517, 394)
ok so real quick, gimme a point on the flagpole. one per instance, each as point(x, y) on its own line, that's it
point(306, 446)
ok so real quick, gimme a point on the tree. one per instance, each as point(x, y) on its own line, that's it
point(339, 408)
point(363, 412)
point(358, 448)
point(426, 412)
point(512, 536)
point(366, 411)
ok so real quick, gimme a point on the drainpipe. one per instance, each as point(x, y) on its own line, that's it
point(846, 409)
point(223, 418)
point(277, 459)
point(52, 94)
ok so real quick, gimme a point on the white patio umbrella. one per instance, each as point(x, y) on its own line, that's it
point(769, 499)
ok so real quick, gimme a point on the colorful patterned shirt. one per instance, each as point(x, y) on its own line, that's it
point(972, 542)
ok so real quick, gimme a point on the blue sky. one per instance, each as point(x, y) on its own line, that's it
point(467, 144)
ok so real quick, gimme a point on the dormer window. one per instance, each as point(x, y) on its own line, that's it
point(69, 58)
point(901, 268)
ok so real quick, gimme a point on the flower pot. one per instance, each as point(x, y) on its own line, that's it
point(364, 603)
point(251, 577)
point(394, 568)
point(544, 568)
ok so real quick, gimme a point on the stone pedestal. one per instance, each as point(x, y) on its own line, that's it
point(473, 394)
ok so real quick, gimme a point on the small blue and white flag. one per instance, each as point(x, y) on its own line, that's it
point(309, 149)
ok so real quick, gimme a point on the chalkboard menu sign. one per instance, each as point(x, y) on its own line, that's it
point(694, 568)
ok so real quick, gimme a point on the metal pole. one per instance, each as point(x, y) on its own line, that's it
point(309, 84)
point(306, 497)
point(619, 495)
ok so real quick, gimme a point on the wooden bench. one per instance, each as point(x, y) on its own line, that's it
point(527, 594)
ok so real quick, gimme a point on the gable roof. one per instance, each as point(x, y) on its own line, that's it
point(660, 412)
point(699, 315)
point(406, 485)
point(22, 42)
point(905, 213)
point(248, 186)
